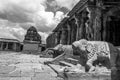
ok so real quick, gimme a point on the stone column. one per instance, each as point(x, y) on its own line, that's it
point(1, 46)
point(69, 34)
point(15, 46)
point(58, 37)
point(63, 37)
point(73, 30)
point(55, 38)
point(6, 46)
point(77, 24)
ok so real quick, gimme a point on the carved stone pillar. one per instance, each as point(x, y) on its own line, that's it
point(58, 37)
point(68, 33)
point(82, 29)
point(77, 25)
point(90, 22)
point(97, 34)
point(64, 37)
point(98, 21)
point(104, 32)
point(73, 30)
point(56, 40)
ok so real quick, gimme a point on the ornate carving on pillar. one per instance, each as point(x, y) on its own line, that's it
point(97, 34)
point(82, 25)
point(64, 36)
point(73, 30)
point(89, 23)
point(56, 39)
point(77, 23)
point(98, 19)
point(68, 33)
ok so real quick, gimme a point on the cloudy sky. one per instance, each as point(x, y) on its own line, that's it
point(16, 16)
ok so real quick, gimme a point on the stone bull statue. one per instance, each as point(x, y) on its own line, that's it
point(100, 50)
point(91, 51)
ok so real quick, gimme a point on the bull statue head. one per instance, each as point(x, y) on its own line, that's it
point(81, 44)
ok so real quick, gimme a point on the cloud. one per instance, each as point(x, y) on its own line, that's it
point(16, 16)
point(43, 36)
point(69, 4)
point(29, 12)
point(11, 30)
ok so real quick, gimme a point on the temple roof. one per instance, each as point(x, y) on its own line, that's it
point(32, 28)
point(9, 40)
point(7, 37)
point(71, 13)
point(32, 36)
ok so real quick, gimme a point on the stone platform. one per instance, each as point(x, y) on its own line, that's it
point(18, 66)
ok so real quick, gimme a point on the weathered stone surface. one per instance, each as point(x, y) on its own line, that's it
point(21, 78)
point(4, 78)
point(37, 71)
point(16, 66)
point(6, 69)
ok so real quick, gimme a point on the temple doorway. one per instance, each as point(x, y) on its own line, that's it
point(113, 30)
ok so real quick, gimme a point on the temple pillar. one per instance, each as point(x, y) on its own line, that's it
point(69, 34)
point(6, 48)
point(97, 34)
point(63, 36)
point(1, 48)
point(90, 16)
point(98, 21)
point(56, 40)
point(15, 46)
point(77, 26)
point(73, 30)
point(58, 37)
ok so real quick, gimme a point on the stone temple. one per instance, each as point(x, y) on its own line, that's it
point(89, 19)
point(32, 41)
point(32, 35)
point(9, 43)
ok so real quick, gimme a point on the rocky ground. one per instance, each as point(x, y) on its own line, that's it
point(18, 66)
